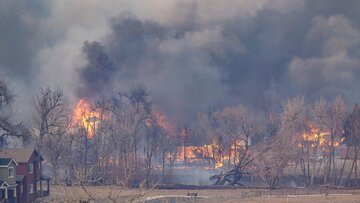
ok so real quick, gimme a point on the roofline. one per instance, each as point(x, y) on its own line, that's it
point(33, 150)
point(39, 154)
point(12, 160)
point(7, 185)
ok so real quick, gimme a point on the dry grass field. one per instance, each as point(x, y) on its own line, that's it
point(111, 194)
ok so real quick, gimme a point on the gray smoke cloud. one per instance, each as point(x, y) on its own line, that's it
point(190, 55)
point(334, 65)
point(20, 37)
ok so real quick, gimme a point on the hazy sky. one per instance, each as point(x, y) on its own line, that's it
point(191, 55)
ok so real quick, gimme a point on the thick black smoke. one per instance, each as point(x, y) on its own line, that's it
point(190, 55)
point(98, 72)
point(177, 66)
point(191, 65)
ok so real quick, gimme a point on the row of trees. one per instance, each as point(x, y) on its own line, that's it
point(305, 140)
point(123, 140)
point(113, 140)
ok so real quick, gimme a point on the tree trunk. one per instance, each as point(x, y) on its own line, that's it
point(86, 156)
point(163, 167)
point(229, 160)
point(235, 152)
point(313, 166)
point(343, 166)
point(135, 154)
point(351, 171)
point(356, 170)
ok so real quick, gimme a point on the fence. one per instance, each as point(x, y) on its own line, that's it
point(281, 192)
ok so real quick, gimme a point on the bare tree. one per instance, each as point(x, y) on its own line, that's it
point(230, 125)
point(275, 160)
point(138, 97)
point(52, 120)
point(126, 116)
point(209, 130)
point(284, 140)
point(245, 125)
point(168, 145)
point(294, 123)
point(52, 114)
point(319, 111)
point(336, 129)
point(153, 136)
point(329, 119)
point(352, 131)
point(8, 128)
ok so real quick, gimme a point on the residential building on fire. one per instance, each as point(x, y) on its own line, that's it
point(21, 176)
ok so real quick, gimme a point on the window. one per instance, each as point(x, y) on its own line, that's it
point(30, 168)
point(39, 165)
point(31, 188)
point(21, 189)
point(11, 172)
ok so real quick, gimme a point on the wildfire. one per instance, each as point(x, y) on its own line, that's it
point(318, 138)
point(85, 116)
point(162, 121)
point(212, 152)
point(198, 153)
point(186, 153)
point(315, 136)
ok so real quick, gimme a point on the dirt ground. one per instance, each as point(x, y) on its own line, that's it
point(108, 194)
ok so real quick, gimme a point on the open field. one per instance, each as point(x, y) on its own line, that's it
point(105, 194)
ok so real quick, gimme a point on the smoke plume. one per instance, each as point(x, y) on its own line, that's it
point(190, 55)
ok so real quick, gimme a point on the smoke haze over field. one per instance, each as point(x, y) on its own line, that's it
point(190, 55)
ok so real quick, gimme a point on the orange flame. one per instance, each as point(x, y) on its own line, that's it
point(162, 121)
point(86, 117)
point(316, 136)
point(319, 138)
point(209, 152)
point(212, 153)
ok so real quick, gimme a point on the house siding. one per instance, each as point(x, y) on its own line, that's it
point(30, 178)
point(4, 174)
point(23, 157)
point(20, 196)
